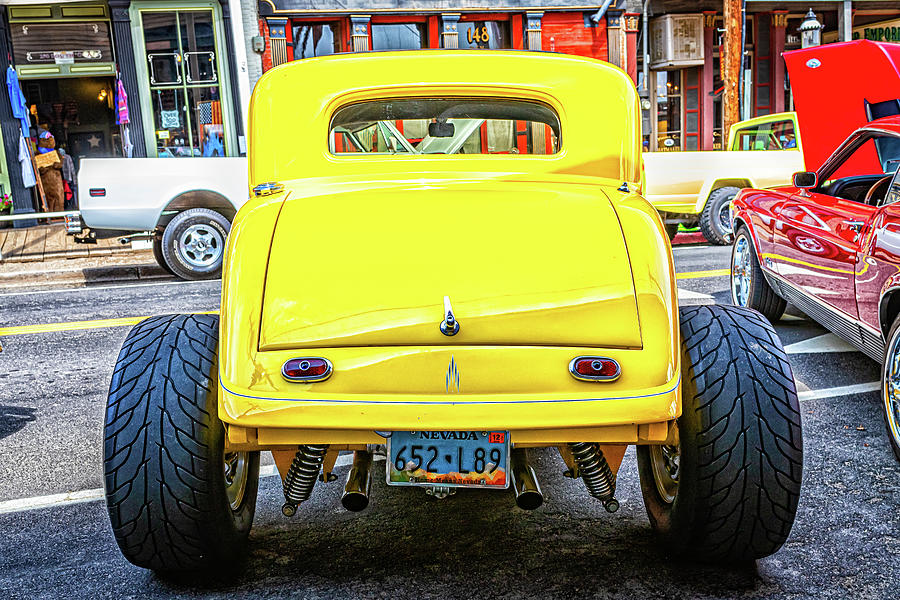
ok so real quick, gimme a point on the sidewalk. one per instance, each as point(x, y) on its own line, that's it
point(36, 256)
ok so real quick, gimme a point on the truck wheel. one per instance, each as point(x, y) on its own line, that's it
point(176, 500)
point(749, 287)
point(158, 255)
point(726, 489)
point(193, 243)
point(890, 387)
point(715, 220)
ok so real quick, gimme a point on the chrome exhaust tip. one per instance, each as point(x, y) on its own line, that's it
point(359, 482)
point(525, 485)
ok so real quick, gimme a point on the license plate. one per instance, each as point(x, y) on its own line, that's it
point(449, 458)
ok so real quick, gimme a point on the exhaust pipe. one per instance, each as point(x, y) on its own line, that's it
point(525, 485)
point(359, 482)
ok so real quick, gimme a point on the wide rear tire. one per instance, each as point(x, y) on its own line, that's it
point(727, 489)
point(176, 500)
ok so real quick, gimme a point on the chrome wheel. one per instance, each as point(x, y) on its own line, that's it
point(201, 245)
point(890, 389)
point(236, 478)
point(664, 462)
point(741, 271)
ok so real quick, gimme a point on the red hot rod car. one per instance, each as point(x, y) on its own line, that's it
point(830, 243)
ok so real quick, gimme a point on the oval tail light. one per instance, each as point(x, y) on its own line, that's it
point(594, 368)
point(306, 369)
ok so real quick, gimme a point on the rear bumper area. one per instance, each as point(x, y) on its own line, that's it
point(623, 408)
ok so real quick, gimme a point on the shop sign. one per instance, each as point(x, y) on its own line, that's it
point(64, 58)
point(885, 31)
point(170, 119)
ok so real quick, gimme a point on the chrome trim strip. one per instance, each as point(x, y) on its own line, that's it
point(874, 348)
point(594, 378)
point(309, 378)
point(452, 402)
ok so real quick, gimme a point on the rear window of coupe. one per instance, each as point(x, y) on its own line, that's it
point(408, 126)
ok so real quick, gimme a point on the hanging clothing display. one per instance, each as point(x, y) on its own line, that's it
point(28, 177)
point(17, 101)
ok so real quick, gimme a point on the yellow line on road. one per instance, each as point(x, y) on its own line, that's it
point(75, 325)
point(129, 321)
point(701, 274)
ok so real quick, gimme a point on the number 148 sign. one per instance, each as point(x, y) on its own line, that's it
point(478, 34)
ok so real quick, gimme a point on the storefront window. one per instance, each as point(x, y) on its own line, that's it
point(484, 34)
point(182, 62)
point(316, 39)
point(398, 36)
point(668, 111)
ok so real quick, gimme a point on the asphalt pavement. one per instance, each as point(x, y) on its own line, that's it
point(55, 539)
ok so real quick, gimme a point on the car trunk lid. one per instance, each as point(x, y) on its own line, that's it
point(526, 264)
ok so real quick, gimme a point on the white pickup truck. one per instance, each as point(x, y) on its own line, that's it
point(696, 188)
point(186, 204)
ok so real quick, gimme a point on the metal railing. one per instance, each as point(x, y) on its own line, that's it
point(46, 215)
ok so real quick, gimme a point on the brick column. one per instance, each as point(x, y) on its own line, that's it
point(359, 27)
point(779, 23)
point(706, 81)
point(449, 30)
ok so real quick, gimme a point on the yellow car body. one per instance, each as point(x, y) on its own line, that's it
point(544, 257)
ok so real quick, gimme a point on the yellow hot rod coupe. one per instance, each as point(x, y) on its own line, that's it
point(491, 282)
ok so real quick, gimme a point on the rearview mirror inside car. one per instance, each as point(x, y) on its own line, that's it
point(805, 179)
point(441, 129)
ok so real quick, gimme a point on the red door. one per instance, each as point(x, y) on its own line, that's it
point(817, 239)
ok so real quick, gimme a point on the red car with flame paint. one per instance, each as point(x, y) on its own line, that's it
point(830, 243)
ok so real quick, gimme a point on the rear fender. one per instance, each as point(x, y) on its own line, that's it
point(710, 186)
point(196, 199)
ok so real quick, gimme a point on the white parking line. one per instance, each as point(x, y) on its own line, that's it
point(92, 287)
point(821, 343)
point(93, 495)
point(844, 390)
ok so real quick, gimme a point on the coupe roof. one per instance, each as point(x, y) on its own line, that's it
point(293, 104)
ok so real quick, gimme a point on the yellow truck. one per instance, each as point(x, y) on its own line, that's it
point(449, 311)
point(696, 188)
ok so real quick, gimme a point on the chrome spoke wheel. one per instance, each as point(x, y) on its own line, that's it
point(236, 470)
point(891, 389)
point(201, 245)
point(665, 464)
point(741, 271)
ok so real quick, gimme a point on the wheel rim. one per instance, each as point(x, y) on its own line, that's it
point(724, 217)
point(665, 464)
point(236, 477)
point(201, 245)
point(740, 271)
point(891, 389)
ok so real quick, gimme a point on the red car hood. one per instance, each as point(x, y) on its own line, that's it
point(839, 88)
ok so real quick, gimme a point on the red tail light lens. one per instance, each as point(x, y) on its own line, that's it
point(306, 369)
point(594, 368)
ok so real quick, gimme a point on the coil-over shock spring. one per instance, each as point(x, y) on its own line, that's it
point(594, 470)
point(301, 477)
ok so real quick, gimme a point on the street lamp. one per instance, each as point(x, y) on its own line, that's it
point(810, 31)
